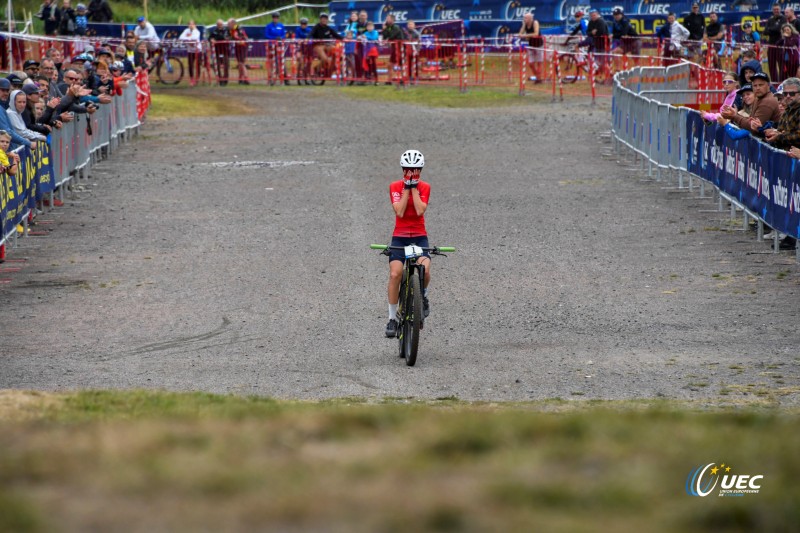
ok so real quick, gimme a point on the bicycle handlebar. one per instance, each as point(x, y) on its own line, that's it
point(434, 249)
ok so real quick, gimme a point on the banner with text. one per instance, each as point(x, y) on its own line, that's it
point(763, 179)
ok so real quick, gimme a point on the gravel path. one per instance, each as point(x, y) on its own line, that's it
point(574, 278)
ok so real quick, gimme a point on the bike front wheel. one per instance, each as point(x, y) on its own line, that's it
point(412, 321)
point(170, 71)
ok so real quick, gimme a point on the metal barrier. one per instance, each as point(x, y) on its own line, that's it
point(72, 150)
point(650, 111)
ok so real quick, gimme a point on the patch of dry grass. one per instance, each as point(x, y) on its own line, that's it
point(101, 460)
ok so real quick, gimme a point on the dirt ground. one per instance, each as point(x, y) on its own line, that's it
point(574, 277)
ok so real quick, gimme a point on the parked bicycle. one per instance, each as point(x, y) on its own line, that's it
point(410, 316)
point(168, 68)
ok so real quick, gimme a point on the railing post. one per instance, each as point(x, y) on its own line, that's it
point(522, 71)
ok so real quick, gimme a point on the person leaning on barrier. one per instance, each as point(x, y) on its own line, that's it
point(529, 30)
point(218, 38)
point(240, 46)
point(597, 33)
point(190, 38)
point(787, 131)
point(732, 130)
point(323, 32)
point(17, 140)
point(28, 113)
point(764, 110)
point(392, 34)
point(16, 106)
point(623, 35)
point(128, 69)
point(730, 84)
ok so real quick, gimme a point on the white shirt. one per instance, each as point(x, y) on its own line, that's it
point(193, 36)
point(677, 34)
point(148, 33)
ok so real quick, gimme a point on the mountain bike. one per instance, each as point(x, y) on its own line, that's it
point(410, 318)
point(168, 68)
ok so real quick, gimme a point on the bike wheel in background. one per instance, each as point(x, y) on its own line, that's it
point(413, 319)
point(170, 71)
point(317, 73)
point(568, 68)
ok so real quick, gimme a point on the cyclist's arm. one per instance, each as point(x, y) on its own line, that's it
point(419, 205)
point(400, 205)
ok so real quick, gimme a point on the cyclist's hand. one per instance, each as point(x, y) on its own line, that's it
point(410, 184)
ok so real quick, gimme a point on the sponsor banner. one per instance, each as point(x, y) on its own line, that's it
point(760, 177)
point(17, 194)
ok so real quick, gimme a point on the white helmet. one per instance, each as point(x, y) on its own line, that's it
point(412, 159)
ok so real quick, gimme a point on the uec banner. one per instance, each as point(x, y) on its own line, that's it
point(20, 192)
point(763, 179)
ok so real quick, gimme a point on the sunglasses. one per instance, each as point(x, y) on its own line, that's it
point(725, 82)
point(71, 78)
point(791, 93)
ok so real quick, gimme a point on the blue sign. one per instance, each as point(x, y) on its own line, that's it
point(765, 180)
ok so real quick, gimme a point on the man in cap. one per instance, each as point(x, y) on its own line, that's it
point(15, 81)
point(764, 109)
point(321, 33)
point(31, 68)
point(622, 33)
point(145, 31)
point(303, 51)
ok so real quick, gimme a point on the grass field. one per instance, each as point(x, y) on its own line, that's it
point(138, 460)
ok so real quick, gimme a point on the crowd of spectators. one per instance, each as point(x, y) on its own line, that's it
point(69, 21)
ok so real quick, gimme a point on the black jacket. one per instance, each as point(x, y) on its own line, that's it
point(324, 33)
point(45, 12)
point(772, 29)
point(392, 33)
point(66, 25)
point(696, 24)
point(622, 28)
point(100, 11)
point(219, 34)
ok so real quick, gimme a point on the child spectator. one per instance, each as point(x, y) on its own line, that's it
point(349, 53)
point(371, 36)
point(730, 84)
point(81, 20)
point(9, 163)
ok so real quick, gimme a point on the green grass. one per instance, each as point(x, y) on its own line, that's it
point(158, 13)
point(182, 104)
point(103, 460)
point(443, 96)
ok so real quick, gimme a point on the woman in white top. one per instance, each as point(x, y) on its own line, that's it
point(16, 106)
point(191, 39)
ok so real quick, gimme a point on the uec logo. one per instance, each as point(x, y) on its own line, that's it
point(700, 484)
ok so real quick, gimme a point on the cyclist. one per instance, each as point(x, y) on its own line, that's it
point(409, 198)
point(323, 32)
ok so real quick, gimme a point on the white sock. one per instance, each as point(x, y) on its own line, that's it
point(425, 292)
point(392, 311)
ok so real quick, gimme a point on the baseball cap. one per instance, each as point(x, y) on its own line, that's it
point(30, 89)
point(323, 15)
point(5, 84)
point(140, 19)
point(779, 90)
point(760, 76)
point(30, 63)
point(276, 15)
point(303, 20)
point(578, 14)
point(744, 89)
point(14, 79)
point(617, 11)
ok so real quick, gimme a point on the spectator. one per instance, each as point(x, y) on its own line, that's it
point(581, 26)
point(791, 18)
point(191, 39)
point(144, 31)
point(730, 84)
point(351, 24)
point(303, 51)
point(5, 123)
point(764, 109)
point(66, 25)
point(31, 68)
point(58, 60)
point(81, 20)
point(749, 38)
point(674, 34)
point(218, 37)
point(121, 56)
point(274, 32)
point(623, 34)
point(412, 50)
point(695, 22)
point(787, 131)
point(16, 106)
point(529, 30)
point(15, 80)
point(393, 35)
point(29, 113)
point(240, 46)
point(141, 56)
point(349, 55)
point(772, 30)
point(51, 15)
point(750, 66)
point(597, 31)
point(130, 46)
point(100, 11)
point(789, 60)
point(715, 37)
point(733, 131)
point(371, 38)
point(322, 34)
point(361, 28)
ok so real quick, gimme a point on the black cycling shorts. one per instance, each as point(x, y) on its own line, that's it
point(398, 255)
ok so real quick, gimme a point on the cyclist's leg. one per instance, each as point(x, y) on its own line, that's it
point(395, 276)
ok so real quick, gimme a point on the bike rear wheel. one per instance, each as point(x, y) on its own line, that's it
point(568, 68)
point(170, 71)
point(412, 321)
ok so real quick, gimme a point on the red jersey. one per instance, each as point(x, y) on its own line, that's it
point(411, 225)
